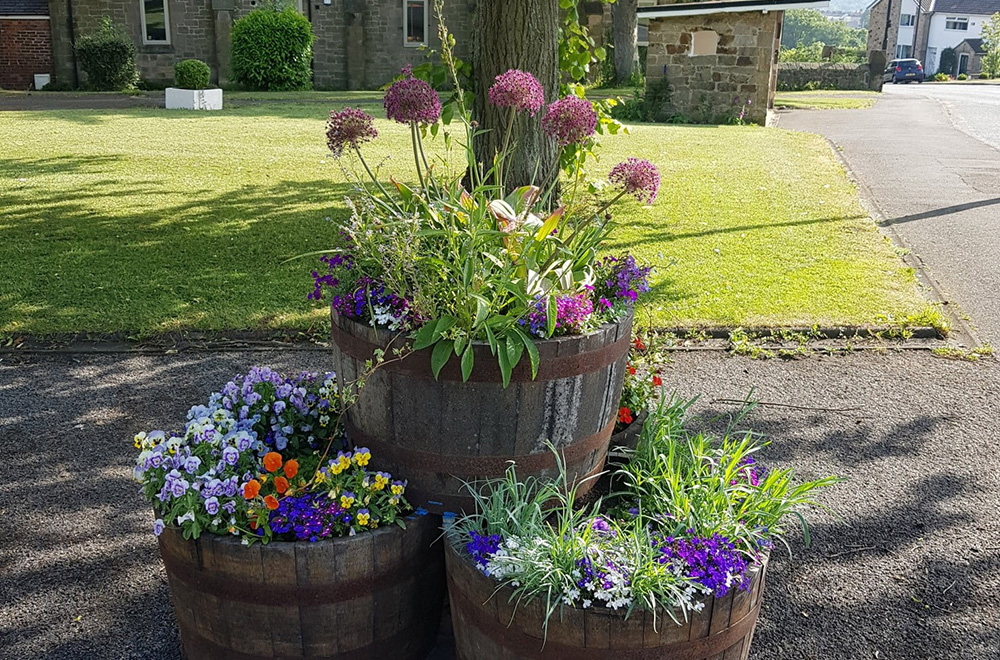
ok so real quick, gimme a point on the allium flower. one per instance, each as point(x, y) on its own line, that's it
point(637, 177)
point(412, 99)
point(519, 90)
point(569, 120)
point(350, 127)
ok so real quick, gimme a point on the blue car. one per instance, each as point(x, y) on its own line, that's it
point(906, 70)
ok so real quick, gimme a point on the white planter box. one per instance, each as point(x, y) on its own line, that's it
point(193, 99)
point(42, 79)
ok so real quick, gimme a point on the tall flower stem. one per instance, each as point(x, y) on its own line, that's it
point(416, 155)
point(506, 146)
point(371, 175)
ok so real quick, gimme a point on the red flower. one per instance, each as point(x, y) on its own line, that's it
point(631, 370)
point(624, 415)
point(638, 344)
point(657, 381)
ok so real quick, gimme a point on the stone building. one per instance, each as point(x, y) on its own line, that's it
point(718, 57)
point(25, 42)
point(970, 57)
point(360, 44)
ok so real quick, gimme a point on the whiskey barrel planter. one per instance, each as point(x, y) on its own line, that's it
point(628, 437)
point(374, 595)
point(489, 625)
point(442, 432)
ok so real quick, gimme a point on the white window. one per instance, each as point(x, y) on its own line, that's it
point(704, 42)
point(903, 52)
point(155, 20)
point(414, 23)
point(956, 23)
point(907, 19)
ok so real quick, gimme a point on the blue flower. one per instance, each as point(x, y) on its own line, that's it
point(158, 526)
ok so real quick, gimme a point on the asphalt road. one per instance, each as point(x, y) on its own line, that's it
point(928, 156)
point(906, 566)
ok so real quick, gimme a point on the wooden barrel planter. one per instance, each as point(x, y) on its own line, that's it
point(374, 595)
point(442, 432)
point(628, 437)
point(489, 625)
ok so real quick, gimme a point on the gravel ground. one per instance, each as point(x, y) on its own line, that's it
point(906, 566)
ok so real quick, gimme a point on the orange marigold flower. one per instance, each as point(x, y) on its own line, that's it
point(252, 489)
point(280, 485)
point(291, 468)
point(271, 502)
point(624, 415)
point(657, 381)
point(272, 461)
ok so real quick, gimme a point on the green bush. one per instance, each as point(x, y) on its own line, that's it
point(191, 74)
point(984, 76)
point(272, 50)
point(962, 76)
point(949, 61)
point(107, 56)
point(942, 77)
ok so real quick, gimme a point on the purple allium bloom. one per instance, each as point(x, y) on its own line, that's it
point(519, 90)
point(637, 177)
point(349, 128)
point(412, 100)
point(212, 506)
point(158, 526)
point(569, 120)
point(481, 548)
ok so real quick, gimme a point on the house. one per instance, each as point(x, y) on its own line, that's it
point(719, 57)
point(25, 42)
point(924, 28)
point(360, 44)
point(970, 56)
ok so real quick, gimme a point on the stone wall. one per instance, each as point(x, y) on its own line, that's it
point(25, 49)
point(706, 87)
point(975, 59)
point(876, 27)
point(794, 76)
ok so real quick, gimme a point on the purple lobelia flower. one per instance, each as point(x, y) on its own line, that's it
point(712, 562)
point(351, 127)
point(637, 177)
point(518, 90)
point(569, 120)
point(571, 313)
point(412, 100)
point(481, 548)
point(621, 278)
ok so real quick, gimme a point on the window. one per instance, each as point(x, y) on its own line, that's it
point(907, 20)
point(704, 42)
point(414, 22)
point(155, 21)
point(903, 52)
point(956, 23)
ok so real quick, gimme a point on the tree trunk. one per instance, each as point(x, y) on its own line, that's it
point(624, 37)
point(516, 34)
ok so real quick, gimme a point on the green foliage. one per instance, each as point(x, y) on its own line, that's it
point(941, 77)
point(814, 53)
point(272, 50)
point(949, 62)
point(107, 56)
point(650, 104)
point(962, 76)
point(991, 44)
point(805, 27)
point(191, 74)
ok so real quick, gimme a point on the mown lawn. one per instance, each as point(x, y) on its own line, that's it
point(826, 100)
point(144, 221)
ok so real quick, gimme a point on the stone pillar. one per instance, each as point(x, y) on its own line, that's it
point(222, 13)
point(355, 49)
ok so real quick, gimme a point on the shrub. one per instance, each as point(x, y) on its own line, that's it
point(191, 74)
point(962, 76)
point(949, 61)
point(107, 56)
point(272, 50)
point(942, 77)
point(983, 76)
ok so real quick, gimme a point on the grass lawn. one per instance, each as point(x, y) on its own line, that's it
point(826, 100)
point(144, 221)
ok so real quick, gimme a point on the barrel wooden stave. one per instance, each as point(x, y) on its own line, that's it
point(433, 431)
point(390, 594)
point(488, 626)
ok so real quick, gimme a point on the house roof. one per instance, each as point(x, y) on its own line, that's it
point(728, 6)
point(975, 44)
point(24, 8)
point(981, 7)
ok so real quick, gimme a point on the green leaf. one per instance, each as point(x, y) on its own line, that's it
point(491, 338)
point(482, 310)
point(425, 337)
point(467, 359)
point(550, 316)
point(550, 224)
point(515, 349)
point(442, 351)
point(532, 351)
point(504, 360)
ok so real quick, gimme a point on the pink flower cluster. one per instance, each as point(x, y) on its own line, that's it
point(519, 90)
point(637, 177)
point(349, 128)
point(412, 100)
point(570, 120)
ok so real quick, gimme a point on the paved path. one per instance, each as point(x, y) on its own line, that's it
point(909, 568)
point(929, 156)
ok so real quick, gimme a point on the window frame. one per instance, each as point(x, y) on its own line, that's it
point(901, 52)
point(907, 20)
point(166, 24)
point(956, 19)
point(406, 24)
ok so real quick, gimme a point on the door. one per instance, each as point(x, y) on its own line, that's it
point(963, 64)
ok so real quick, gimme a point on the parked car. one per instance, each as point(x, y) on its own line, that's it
point(904, 70)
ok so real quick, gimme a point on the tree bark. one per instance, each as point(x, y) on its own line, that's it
point(624, 38)
point(516, 34)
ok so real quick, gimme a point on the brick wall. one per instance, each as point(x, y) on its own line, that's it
point(25, 49)
point(704, 87)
